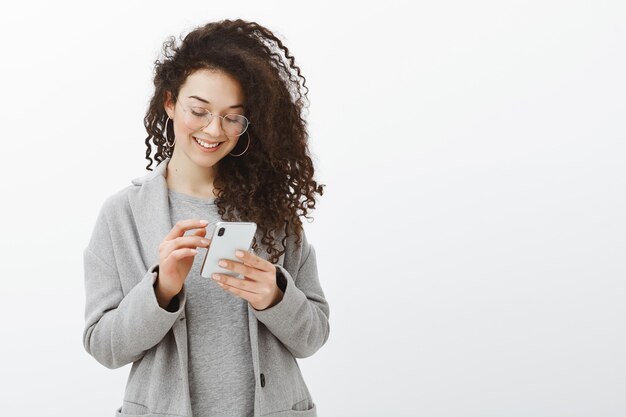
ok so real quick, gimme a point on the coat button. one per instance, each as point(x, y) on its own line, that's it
point(262, 380)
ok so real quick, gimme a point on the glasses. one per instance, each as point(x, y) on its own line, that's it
point(197, 118)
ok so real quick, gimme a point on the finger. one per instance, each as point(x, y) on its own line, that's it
point(191, 241)
point(182, 226)
point(235, 287)
point(248, 296)
point(182, 253)
point(200, 232)
point(204, 241)
point(253, 260)
point(246, 271)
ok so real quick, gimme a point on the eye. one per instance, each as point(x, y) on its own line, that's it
point(199, 111)
point(234, 118)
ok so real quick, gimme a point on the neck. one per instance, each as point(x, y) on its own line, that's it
point(185, 176)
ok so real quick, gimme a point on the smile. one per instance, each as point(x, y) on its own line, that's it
point(207, 146)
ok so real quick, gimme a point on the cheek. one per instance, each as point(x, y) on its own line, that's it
point(232, 143)
point(181, 130)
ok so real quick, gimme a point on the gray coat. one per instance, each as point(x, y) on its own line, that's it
point(124, 323)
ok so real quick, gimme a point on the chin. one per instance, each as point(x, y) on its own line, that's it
point(206, 162)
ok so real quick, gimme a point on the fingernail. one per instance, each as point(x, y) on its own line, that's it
point(222, 263)
point(215, 277)
point(239, 253)
point(204, 222)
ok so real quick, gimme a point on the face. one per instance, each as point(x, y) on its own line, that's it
point(205, 90)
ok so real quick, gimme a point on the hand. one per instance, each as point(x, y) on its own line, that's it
point(176, 255)
point(259, 284)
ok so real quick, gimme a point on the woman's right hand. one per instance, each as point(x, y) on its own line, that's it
point(176, 255)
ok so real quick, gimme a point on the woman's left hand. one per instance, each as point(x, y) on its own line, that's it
point(258, 287)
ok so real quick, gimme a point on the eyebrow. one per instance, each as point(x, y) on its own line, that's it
point(208, 102)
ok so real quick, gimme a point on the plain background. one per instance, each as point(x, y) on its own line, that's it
point(472, 235)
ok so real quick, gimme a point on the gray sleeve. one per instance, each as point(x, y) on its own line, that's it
point(120, 328)
point(300, 319)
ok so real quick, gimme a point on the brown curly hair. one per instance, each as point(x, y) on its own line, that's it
point(272, 183)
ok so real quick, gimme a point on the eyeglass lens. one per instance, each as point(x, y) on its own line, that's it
point(232, 124)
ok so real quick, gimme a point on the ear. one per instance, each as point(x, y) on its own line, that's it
point(168, 104)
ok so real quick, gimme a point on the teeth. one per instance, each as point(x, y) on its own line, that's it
point(206, 145)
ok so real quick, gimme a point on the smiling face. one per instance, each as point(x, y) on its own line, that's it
point(205, 90)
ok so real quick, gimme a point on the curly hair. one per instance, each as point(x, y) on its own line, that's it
point(272, 184)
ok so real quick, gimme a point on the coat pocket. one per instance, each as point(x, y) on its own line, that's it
point(311, 412)
point(131, 409)
point(119, 413)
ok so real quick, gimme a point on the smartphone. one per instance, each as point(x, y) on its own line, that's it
point(227, 238)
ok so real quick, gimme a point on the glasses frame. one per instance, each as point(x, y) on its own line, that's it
point(211, 116)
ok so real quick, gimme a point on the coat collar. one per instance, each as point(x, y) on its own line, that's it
point(150, 207)
point(151, 210)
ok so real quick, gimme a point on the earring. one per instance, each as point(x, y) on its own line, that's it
point(247, 146)
point(169, 147)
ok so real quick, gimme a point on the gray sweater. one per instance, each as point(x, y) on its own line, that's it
point(124, 323)
point(221, 375)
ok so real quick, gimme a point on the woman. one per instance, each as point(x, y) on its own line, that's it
point(230, 144)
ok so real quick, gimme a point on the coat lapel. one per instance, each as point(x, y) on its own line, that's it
point(150, 207)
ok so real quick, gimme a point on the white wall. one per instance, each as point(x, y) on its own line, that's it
point(471, 241)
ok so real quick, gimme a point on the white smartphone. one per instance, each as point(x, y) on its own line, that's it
point(227, 238)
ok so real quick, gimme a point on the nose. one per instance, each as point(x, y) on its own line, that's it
point(214, 128)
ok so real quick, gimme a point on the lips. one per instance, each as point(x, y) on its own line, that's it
point(205, 140)
point(207, 149)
